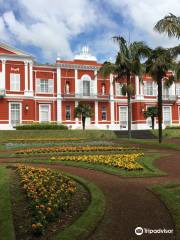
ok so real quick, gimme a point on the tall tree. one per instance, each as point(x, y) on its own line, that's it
point(170, 24)
point(157, 65)
point(128, 63)
point(83, 111)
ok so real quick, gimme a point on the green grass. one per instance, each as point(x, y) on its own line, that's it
point(170, 194)
point(87, 134)
point(6, 219)
point(169, 133)
point(147, 161)
point(153, 143)
point(88, 221)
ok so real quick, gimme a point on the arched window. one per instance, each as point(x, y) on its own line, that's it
point(86, 81)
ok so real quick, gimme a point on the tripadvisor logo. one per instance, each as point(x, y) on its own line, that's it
point(139, 231)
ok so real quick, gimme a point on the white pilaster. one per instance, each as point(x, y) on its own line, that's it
point(58, 82)
point(31, 76)
point(26, 76)
point(173, 89)
point(111, 87)
point(137, 85)
point(59, 110)
point(95, 84)
point(3, 83)
point(112, 111)
point(141, 90)
point(76, 81)
point(76, 119)
point(96, 113)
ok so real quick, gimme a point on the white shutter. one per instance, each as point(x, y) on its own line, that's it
point(155, 89)
point(92, 87)
point(80, 87)
point(50, 86)
point(145, 88)
point(117, 87)
point(38, 85)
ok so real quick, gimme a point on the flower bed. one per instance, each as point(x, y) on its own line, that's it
point(74, 149)
point(48, 192)
point(44, 139)
point(123, 161)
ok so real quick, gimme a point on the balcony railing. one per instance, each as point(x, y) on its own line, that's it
point(83, 96)
point(169, 98)
point(2, 93)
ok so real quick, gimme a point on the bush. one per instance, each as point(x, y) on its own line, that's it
point(173, 127)
point(42, 126)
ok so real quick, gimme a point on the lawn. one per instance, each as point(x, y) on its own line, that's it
point(170, 194)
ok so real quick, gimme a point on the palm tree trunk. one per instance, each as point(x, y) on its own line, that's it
point(152, 119)
point(160, 108)
point(83, 122)
point(129, 105)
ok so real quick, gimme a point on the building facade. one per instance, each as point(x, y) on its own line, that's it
point(30, 93)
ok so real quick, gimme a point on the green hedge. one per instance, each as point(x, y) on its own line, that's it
point(173, 127)
point(42, 126)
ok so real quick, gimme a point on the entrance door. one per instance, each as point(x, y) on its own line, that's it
point(15, 114)
point(123, 117)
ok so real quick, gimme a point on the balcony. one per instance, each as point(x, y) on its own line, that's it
point(2, 93)
point(84, 96)
point(169, 98)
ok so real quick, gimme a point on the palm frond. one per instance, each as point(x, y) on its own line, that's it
point(170, 24)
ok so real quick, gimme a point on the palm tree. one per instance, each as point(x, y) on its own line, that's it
point(159, 62)
point(83, 111)
point(170, 24)
point(128, 62)
point(151, 112)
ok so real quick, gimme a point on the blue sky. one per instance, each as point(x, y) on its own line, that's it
point(47, 28)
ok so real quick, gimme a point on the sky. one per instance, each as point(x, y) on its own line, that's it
point(50, 28)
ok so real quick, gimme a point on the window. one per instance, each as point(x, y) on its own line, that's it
point(68, 112)
point(14, 82)
point(178, 89)
point(15, 113)
point(45, 85)
point(167, 115)
point(104, 113)
point(123, 112)
point(86, 88)
point(148, 88)
point(44, 113)
point(118, 87)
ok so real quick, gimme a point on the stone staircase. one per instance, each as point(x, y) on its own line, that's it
point(138, 134)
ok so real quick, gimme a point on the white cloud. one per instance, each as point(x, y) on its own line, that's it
point(143, 14)
point(53, 25)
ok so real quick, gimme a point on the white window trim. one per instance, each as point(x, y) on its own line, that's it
point(68, 120)
point(170, 114)
point(179, 89)
point(146, 94)
point(104, 120)
point(39, 92)
point(120, 115)
point(10, 111)
point(12, 90)
point(117, 84)
point(49, 113)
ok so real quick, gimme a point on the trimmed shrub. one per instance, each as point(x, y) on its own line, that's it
point(173, 127)
point(42, 126)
